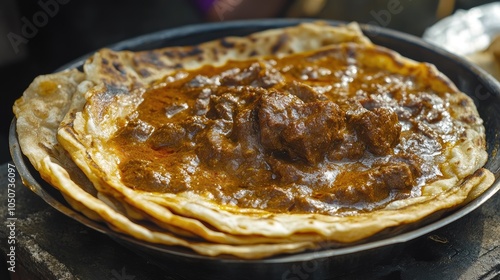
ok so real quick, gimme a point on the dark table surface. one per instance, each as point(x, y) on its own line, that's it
point(50, 245)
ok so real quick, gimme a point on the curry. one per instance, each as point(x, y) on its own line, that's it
point(314, 132)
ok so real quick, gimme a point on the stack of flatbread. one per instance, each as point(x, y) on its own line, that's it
point(66, 120)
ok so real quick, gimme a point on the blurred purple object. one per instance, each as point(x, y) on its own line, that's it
point(204, 5)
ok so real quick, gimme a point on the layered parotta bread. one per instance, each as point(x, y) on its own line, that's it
point(68, 123)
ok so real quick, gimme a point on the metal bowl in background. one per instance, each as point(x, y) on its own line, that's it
point(466, 31)
point(470, 34)
point(319, 263)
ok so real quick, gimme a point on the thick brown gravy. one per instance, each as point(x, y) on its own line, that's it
point(308, 133)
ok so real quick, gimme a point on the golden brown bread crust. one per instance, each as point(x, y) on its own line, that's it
point(91, 107)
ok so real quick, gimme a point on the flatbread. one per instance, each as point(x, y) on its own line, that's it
point(86, 110)
point(56, 167)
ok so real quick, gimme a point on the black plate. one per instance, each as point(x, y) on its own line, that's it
point(484, 89)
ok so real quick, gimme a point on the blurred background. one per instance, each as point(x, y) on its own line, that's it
point(36, 37)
